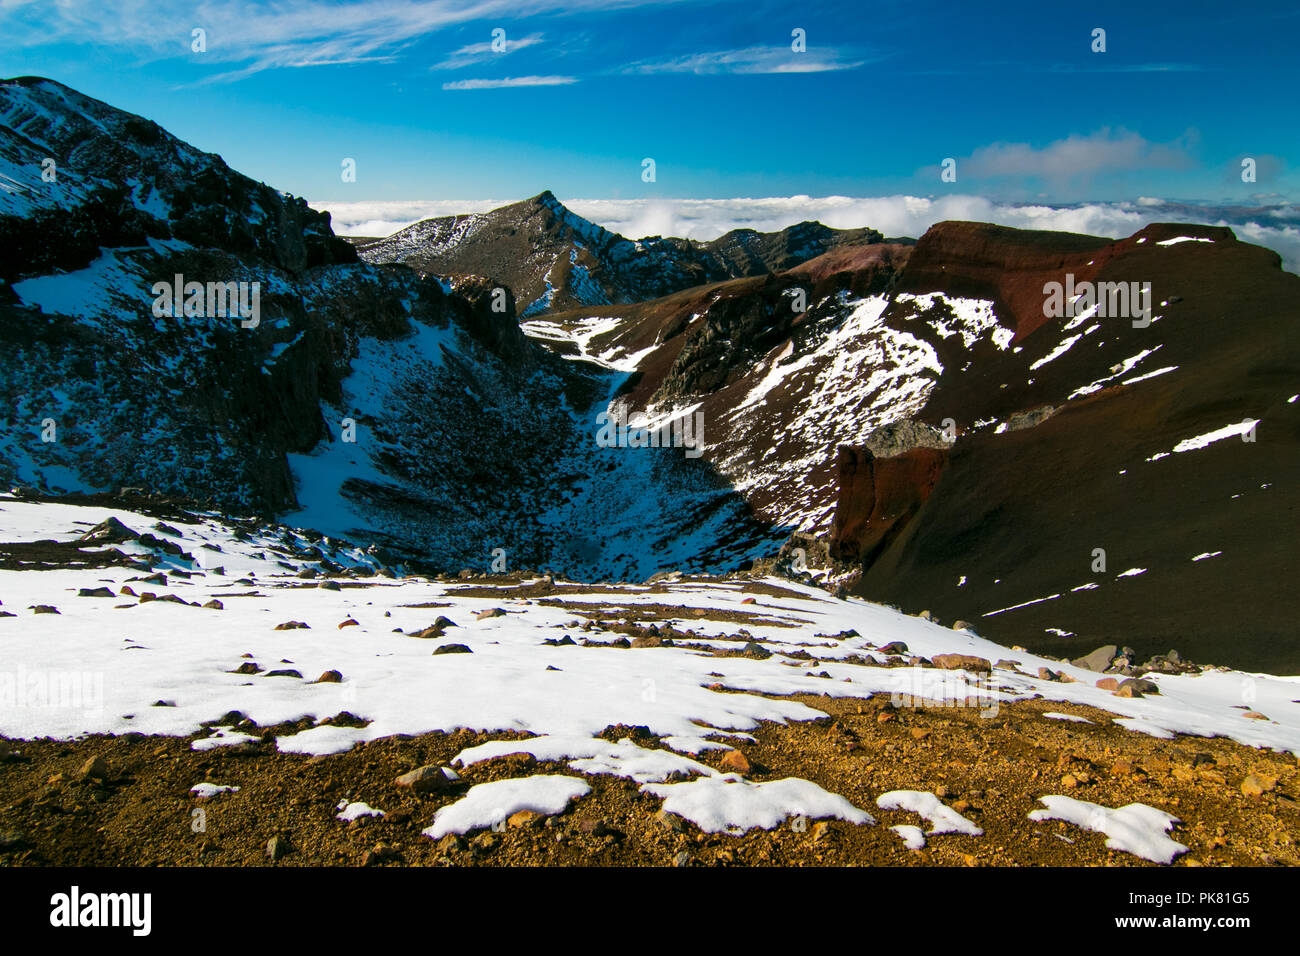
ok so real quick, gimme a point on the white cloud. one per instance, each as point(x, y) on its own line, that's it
point(1073, 158)
point(704, 219)
point(893, 215)
point(756, 59)
point(510, 81)
point(476, 53)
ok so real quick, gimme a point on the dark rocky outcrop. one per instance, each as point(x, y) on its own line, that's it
point(122, 180)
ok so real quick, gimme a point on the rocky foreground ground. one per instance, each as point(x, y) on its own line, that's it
point(127, 801)
point(692, 720)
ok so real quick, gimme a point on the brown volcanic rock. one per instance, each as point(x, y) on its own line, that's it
point(982, 261)
point(863, 270)
point(1011, 266)
point(879, 496)
point(1029, 506)
point(969, 662)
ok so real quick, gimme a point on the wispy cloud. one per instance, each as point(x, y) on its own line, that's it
point(476, 53)
point(1075, 158)
point(754, 59)
point(507, 82)
point(253, 36)
point(1128, 68)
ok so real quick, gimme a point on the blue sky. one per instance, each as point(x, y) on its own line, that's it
point(713, 92)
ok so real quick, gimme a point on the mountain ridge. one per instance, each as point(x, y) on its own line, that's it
point(552, 259)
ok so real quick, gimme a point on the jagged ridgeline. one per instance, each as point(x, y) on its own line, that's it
point(935, 433)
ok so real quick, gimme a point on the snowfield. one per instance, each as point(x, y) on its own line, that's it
point(109, 663)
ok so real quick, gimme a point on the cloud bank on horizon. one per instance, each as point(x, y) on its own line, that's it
point(1270, 224)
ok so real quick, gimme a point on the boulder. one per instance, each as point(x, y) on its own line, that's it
point(968, 662)
point(422, 780)
point(110, 531)
point(94, 769)
point(1099, 659)
point(1256, 785)
point(524, 818)
point(735, 761)
point(1136, 687)
point(453, 649)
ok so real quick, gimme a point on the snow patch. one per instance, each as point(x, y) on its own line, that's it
point(728, 803)
point(943, 818)
point(491, 804)
point(1135, 828)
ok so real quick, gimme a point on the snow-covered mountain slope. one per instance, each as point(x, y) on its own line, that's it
point(1029, 417)
point(193, 625)
point(106, 388)
point(362, 399)
point(553, 259)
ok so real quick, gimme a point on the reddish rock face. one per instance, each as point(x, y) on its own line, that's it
point(863, 270)
point(878, 496)
point(1011, 266)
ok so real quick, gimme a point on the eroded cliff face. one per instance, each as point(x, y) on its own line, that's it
point(878, 498)
point(1113, 475)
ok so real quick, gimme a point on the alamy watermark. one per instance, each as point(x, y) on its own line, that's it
point(55, 690)
point(76, 908)
point(211, 300)
point(915, 687)
point(1123, 300)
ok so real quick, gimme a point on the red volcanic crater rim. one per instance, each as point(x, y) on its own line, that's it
point(1011, 266)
